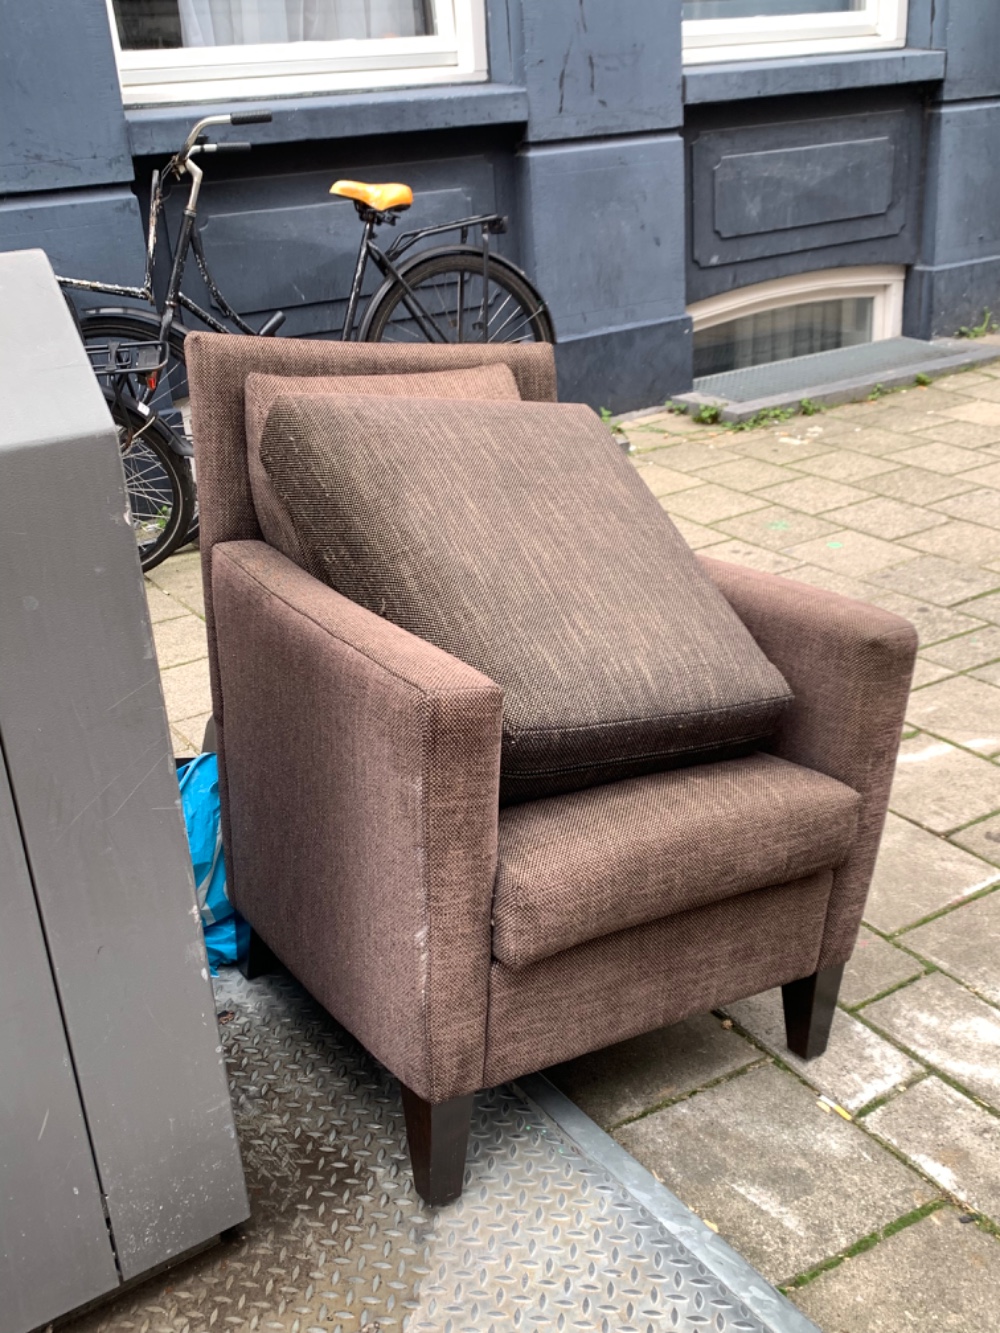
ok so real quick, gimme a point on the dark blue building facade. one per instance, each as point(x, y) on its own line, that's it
point(639, 186)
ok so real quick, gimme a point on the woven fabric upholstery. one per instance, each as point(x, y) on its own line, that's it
point(850, 665)
point(576, 867)
point(640, 979)
point(517, 537)
point(361, 771)
point(494, 381)
point(217, 368)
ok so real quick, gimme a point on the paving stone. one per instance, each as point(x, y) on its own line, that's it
point(857, 1067)
point(988, 475)
point(783, 451)
point(833, 581)
point(989, 673)
point(873, 440)
point(929, 673)
point(938, 457)
point(180, 640)
point(193, 731)
point(161, 606)
point(962, 381)
point(747, 474)
point(942, 787)
point(849, 552)
point(918, 873)
point(186, 690)
point(960, 709)
point(844, 465)
point(916, 485)
point(969, 542)
point(624, 1080)
point(875, 966)
point(664, 480)
point(812, 495)
point(980, 413)
point(980, 506)
point(968, 650)
point(776, 528)
point(180, 745)
point(708, 503)
point(966, 943)
point(692, 454)
point(884, 517)
point(930, 578)
point(983, 839)
point(965, 434)
point(753, 557)
point(909, 420)
point(945, 1025)
point(785, 1183)
point(985, 608)
point(180, 576)
point(937, 1276)
point(933, 623)
point(695, 534)
point(988, 392)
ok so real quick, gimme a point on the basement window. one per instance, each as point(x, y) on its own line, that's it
point(799, 316)
point(210, 50)
point(724, 30)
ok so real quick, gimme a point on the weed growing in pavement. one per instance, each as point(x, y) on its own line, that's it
point(810, 408)
point(922, 378)
point(988, 325)
point(707, 414)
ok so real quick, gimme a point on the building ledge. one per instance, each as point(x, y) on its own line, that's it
point(750, 79)
point(161, 129)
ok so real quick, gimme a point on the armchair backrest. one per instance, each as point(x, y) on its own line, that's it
point(218, 365)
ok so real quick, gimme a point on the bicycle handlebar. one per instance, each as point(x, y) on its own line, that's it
point(227, 118)
point(250, 118)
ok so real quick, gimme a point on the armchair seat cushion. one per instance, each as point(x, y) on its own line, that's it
point(516, 537)
point(592, 863)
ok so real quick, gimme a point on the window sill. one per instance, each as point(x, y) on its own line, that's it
point(749, 79)
point(160, 129)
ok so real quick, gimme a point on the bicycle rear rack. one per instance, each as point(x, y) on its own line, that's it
point(123, 357)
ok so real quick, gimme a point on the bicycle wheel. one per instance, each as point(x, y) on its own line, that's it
point(448, 304)
point(159, 487)
point(169, 400)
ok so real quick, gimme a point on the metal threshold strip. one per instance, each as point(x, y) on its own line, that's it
point(558, 1228)
point(843, 375)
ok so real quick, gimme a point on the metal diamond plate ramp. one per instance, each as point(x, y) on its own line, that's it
point(544, 1237)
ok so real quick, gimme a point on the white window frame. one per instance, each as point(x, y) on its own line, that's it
point(880, 25)
point(885, 283)
point(456, 53)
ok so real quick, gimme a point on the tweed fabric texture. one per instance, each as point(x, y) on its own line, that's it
point(850, 666)
point(641, 979)
point(362, 768)
point(576, 867)
point(262, 390)
point(217, 368)
point(517, 537)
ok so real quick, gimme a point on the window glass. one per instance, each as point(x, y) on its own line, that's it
point(777, 335)
point(742, 9)
point(145, 25)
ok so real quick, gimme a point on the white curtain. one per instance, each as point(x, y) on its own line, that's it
point(249, 22)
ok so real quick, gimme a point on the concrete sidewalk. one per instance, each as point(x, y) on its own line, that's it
point(882, 1212)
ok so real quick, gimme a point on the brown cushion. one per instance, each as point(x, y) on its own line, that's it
point(517, 537)
point(493, 381)
point(621, 855)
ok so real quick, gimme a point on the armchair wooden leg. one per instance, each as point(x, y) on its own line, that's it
point(809, 1008)
point(437, 1137)
point(259, 960)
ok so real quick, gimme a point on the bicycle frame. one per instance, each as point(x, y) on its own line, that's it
point(189, 240)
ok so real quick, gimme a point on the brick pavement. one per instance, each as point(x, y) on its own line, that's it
point(886, 1216)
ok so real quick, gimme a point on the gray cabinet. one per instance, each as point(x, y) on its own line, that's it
point(118, 1148)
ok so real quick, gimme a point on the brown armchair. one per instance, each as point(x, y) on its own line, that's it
point(367, 846)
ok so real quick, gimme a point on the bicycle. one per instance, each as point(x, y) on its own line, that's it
point(452, 293)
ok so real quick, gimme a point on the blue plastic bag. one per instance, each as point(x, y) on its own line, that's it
point(227, 935)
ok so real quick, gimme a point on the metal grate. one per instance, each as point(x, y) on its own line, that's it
point(542, 1239)
point(801, 373)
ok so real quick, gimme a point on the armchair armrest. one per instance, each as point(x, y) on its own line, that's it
point(849, 666)
point(361, 779)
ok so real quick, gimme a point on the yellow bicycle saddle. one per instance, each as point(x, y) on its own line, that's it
point(379, 197)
